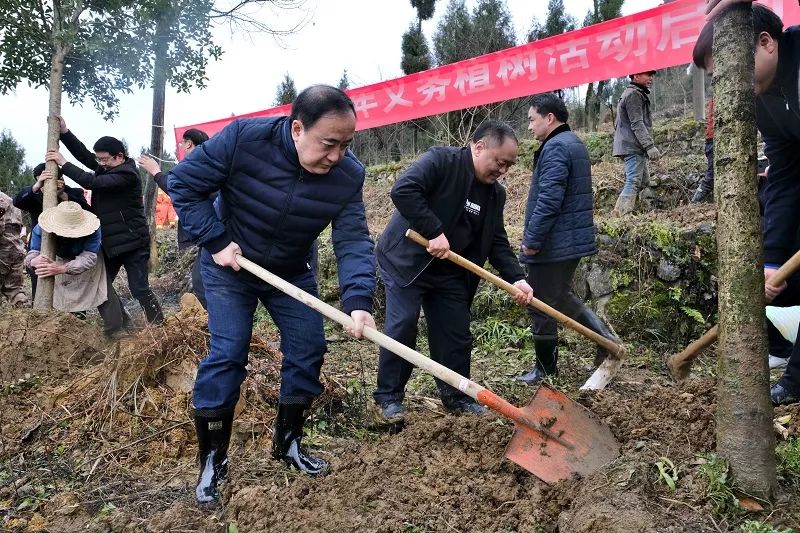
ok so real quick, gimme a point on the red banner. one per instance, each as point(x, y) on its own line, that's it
point(651, 40)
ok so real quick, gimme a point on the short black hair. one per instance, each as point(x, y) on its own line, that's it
point(319, 100)
point(494, 130)
point(38, 169)
point(546, 103)
point(112, 145)
point(764, 20)
point(197, 137)
point(651, 72)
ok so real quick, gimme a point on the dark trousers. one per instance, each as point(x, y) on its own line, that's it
point(135, 263)
point(552, 284)
point(111, 311)
point(707, 181)
point(198, 288)
point(442, 290)
point(232, 298)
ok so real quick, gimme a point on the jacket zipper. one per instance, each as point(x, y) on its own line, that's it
point(282, 218)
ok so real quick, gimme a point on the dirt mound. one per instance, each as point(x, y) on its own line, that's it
point(47, 344)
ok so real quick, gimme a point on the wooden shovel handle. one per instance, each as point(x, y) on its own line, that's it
point(465, 385)
point(691, 352)
point(616, 349)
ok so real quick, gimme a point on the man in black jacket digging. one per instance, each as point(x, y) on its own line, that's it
point(450, 196)
point(117, 202)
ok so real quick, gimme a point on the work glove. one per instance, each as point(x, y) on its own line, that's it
point(653, 153)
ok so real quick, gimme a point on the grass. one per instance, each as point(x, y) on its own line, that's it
point(788, 454)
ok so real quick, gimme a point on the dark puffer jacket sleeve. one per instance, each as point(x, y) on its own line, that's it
point(355, 259)
point(203, 172)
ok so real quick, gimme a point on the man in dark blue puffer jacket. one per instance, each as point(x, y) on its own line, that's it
point(559, 229)
point(281, 182)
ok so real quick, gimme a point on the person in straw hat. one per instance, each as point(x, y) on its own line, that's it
point(81, 282)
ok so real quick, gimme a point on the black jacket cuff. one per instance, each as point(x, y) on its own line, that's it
point(357, 303)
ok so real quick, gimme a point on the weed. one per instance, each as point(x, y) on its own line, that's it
point(667, 472)
point(755, 526)
point(719, 490)
point(789, 461)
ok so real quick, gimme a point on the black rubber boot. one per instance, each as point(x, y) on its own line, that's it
point(596, 324)
point(546, 362)
point(286, 436)
point(213, 436)
point(152, 309)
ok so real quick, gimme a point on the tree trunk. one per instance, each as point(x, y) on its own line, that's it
point(157, 128)
point(45, 286)
point(744, 411)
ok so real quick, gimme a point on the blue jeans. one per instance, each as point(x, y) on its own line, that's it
point(636, 174)
point(232, 298)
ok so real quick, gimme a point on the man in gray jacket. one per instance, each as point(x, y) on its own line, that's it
point(633, 139)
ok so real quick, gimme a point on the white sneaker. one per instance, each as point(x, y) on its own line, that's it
point(777, 362)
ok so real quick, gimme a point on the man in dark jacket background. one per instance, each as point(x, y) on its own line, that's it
point(450, 196)
point(117, 202)
point(777, 66)
point(559, 229)
point(281, 182)
point(192, 138)
point(633, 139)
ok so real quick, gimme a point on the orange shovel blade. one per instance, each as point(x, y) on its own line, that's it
point(592, 445)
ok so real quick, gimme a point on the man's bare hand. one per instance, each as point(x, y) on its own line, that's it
point(529, 251)
point(771, 291)
point(62, 124)
point(44, 176)
point(55, 155)
point(439, 247)
point(149, 164)
point(525, 293)
point(227, 256)
point(360, 319)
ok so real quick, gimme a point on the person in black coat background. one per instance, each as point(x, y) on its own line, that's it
point(117, 202)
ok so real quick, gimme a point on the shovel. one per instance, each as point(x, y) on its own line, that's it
point(555, 438)
point(680, 364)
point(607, 369)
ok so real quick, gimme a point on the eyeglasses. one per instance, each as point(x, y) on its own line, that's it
point(103, 160)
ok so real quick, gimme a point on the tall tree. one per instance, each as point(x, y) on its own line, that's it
point(416, 55)
point(425, 9)
point(70, 45)
point(558, 21)
point(463, 35)
point(602, 11)
point(14, 174)
point(286, 91)
point(744, 411)
point(176, 45)
point(344, 81)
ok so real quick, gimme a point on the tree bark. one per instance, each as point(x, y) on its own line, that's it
point(157, 128)
point(45, 286)
point(744, 410)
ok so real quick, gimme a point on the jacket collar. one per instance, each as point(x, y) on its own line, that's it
point(561, 129)
point(639, 86)
point(287, 143)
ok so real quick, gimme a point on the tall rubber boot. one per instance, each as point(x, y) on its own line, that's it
point(626, 203)
point(590, 319)
point(152, 309)
point(286, 436)
point(546, 362)
point(213, 436)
